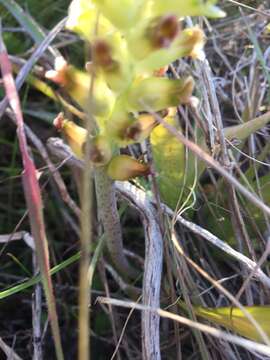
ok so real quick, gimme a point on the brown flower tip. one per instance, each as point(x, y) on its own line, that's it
point(58, 122)
point(164, 31)
point(141, 128)
point(102, 55)
point(100, 151)
point(161, 72)
point(124, 167)
point(89, 67)
point(59, 74)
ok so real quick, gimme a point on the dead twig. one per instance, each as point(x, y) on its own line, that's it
point(8, 351)
point(247, 344)
point(152, 267)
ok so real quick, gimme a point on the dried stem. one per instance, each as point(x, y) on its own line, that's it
point(36, 314)
point(152, 268)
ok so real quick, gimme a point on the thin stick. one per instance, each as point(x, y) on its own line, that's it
point(9, 352)
point(152, 267)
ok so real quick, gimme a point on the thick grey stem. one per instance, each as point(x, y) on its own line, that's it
point(152, 268)
point(108, 214)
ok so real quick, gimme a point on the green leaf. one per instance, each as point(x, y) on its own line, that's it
point(244, 130)
point(235, 320)
point(169, 160)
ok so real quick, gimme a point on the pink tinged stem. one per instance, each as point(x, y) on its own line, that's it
point(32, 195)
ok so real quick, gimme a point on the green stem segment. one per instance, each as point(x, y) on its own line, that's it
point(108, 214)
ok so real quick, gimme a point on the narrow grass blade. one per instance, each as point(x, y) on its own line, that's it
point(27, 22)
point(64, 264)
point(244, 130)
point(32, 195)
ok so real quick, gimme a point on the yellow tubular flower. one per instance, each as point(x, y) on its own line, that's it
point(77, 85)
point(125, 129)
point(158, 93)
point(111, 59)
point(152, 34)
point(189, 42)
point(124, 167)
point(74, 134)
point(141, 128)
point(117, 125)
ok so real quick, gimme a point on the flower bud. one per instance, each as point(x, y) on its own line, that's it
point(190, 42)
point(100, 150)
point(102, 55)
point(75, 134)
point(157, 93)
point(111, 59)
point(141, 128)
point(124, 167)
point(117, 125)
point(77, 84)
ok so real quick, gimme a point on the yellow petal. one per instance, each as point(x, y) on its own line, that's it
point(124, 167)
point(75, 134)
